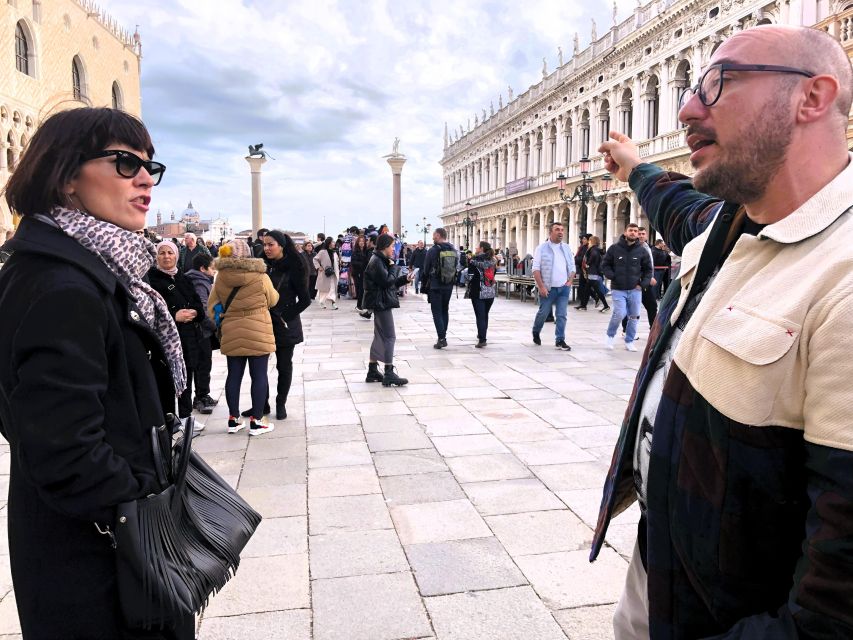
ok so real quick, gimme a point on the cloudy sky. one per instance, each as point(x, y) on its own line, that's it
point(326, 86)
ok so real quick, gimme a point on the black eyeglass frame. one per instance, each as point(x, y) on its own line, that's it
point(154, 169)
point(733, 66)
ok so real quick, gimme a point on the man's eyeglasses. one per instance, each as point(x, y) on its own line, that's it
point(710, 85)
point(128, 164)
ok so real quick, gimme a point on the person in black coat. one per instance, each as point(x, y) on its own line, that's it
point(358, 263)
point(286, 269)
point(90, 361)
point(381, 280)
point(187, 312)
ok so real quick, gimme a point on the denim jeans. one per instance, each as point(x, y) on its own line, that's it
point(481, 313)
point(439, 302)
point(625, 303)
point(560, 297)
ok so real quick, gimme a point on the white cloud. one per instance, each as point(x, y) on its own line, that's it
point(327, 85)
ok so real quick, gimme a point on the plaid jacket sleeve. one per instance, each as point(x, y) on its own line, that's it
point(819, 602)
point(674, 208)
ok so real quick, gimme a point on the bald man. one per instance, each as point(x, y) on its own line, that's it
point(738, 440)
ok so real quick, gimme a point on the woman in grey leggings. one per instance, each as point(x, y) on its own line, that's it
point(381, 281)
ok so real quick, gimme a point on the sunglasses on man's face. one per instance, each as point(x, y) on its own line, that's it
point(128, 164)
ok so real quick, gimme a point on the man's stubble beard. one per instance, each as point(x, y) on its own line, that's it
point(744, 173)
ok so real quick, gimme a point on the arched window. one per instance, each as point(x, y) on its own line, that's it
point(604, 121)
point(22, 50)
point(552, 139)
point(681, 83)
point(626, 113)
point(569, 139)
point(585, 134)
point(118, 102)
point(77, 78)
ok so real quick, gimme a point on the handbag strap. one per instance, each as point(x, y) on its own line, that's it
point(230, 299)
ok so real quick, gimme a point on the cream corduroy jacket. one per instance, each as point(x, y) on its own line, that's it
point(770, 342)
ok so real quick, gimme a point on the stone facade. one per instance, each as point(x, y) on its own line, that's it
point(59, 54)
point(840, 25)
point(630, 79)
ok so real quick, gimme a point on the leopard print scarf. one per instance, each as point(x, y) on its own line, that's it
point(129, 257)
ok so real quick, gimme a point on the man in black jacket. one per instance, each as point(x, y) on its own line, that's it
point(418, 259)
point(628, 266)
point(438, 287)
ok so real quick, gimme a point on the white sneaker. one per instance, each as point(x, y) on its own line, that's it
point(197, 426)
point(322, 305)
point(259, 427)
point(235, 424)
point(629, 346)
point(334, 306)
point(609, 342)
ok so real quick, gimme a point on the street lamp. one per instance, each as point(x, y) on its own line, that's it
point(469, 220)
point(424, 228)
point(584, 191)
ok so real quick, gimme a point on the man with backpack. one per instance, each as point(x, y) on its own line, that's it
point(441, 267)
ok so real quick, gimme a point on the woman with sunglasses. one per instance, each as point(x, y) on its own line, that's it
point(90, 361)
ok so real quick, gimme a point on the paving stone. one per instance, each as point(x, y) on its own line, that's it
point(438, 522)
point(356, 553)
point(469, 425)
point(349, 513)
point(332, 418)
point(379, 424)
point(399, 463)
point(220, 442)
point(265, 473)
point(408, 438)
point(9, 622)
point(622, 537)
point(549, 452)
point(421, 487)
point(524, 431)
point(533, 393)
point(276, 625)
point(587, 623)
point(475, 393)
point(503, 614)
point(564, 413)
point(588, 437)
point(339, 433)
point(575, 475)
point(511, 496)
point(587, 502)
point(339, 454)
point(490, 467)
point(264, 584)
point(342, 481)
point(267, 449)
point(225, 463)
point(278, 501)
point(568, 579)
point(414, 402)
point(462, 565)
point(278, 537)
point(472, 445)
point(383, 409)
point(381, 607)
point(540, 532)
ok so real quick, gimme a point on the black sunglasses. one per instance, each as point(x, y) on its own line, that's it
point(710, 85)
point(128, 164)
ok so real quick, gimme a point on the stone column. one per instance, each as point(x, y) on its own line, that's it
point(611, 221)
point(396, 163)
point(255, 165)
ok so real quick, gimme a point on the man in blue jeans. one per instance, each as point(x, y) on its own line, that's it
point(553, 270)
point(628, 266)
point(441, 268)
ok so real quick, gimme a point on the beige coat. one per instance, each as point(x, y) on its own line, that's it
point(246, 326)
point(321, 261)
point(770, 342)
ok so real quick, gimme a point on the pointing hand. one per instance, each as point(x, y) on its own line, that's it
point(620, 155)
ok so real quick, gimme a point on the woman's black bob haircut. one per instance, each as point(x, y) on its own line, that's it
point(58, 148)
point(384, 241)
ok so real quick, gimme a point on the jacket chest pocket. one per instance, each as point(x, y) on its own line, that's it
point(751, 363)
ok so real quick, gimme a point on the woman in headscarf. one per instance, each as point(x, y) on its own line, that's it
point(90, 361)
point(187, 312)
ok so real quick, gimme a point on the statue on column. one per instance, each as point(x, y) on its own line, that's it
point(491, 107)
point(509, 94)
point(560, 56)
point(395, 150)
point(615, 13)
point(577, 44)
point(484, 114)
point(544, 68)
point(501, 101)
point(594, 34)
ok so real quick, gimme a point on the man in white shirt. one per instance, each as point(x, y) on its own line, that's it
point(553, 270)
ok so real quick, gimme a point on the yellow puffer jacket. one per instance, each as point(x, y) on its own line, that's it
point(246, 326)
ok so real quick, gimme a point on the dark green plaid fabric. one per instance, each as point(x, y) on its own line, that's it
point(749, 530)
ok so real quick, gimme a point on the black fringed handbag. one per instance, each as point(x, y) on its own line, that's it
point(176, 548)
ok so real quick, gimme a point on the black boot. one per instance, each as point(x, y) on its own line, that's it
point(280, 411)
point(248, 412)
point(373, 374)
point(392, 378)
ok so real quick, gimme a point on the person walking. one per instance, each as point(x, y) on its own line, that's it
point(441, 266)
point(481, 288)
point(417, 262)
point(245, 293)
point(90, 360)
point(328, 268)
point(201, 276)
point(381, 280)
point(583, 284)
point(289, 276)
point(553, 272)
point(662, 263)
point(737, 441)
point(628, 266)
point(594, 274)
point(310, 254)
point(185, 307)
point(360, 257)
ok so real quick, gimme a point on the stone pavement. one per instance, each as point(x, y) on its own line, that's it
point(458, 507)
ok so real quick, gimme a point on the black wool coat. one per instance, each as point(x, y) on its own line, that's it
point(82, 381)
point(290, 278)
point(179, 293)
